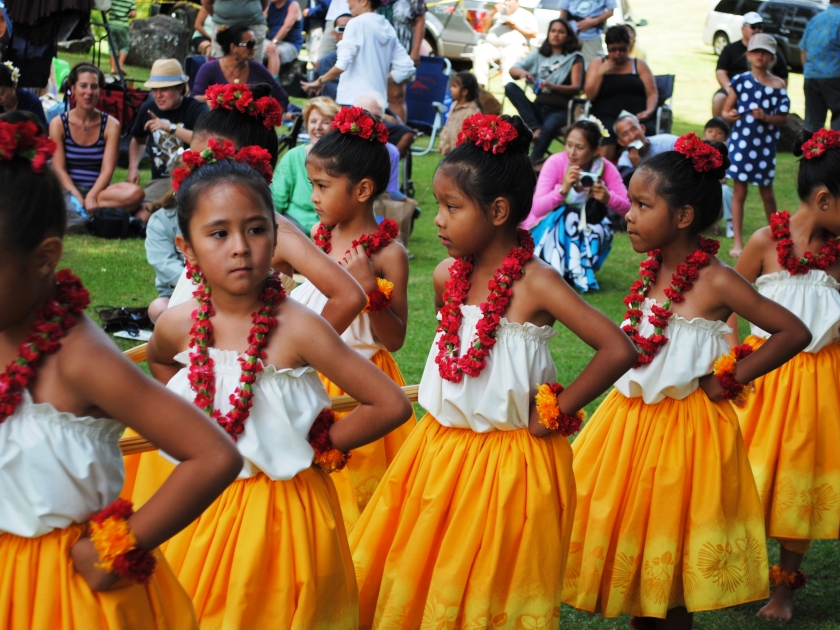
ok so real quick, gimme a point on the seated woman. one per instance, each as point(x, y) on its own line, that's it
point(12, 98)
point(618, 82)
point(88, 144)
point(568, 218)
point(555, 71)
point(291, 188)
point(237, 66)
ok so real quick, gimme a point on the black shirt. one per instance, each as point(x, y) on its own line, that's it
point(28, 102)
point(164, 146)
point(733, 59)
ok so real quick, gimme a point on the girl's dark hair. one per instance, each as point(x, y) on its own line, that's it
point(468, 83)
point(81, 68)
point(483, 176)
point(231, 35)
point(591, 132)
point(680, 184)
point(617, 35)
point(32, 206)
point(572, 43)
point(243, 130)
point(719, 123)
point(5, 76)
point(353, 157)
point(375, 4)
point(221, 172)
point(816, 172)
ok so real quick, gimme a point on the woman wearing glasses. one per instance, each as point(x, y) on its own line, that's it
point(619, 82)
point(237, 65)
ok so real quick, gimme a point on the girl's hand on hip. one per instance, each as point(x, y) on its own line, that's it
point(85, 557)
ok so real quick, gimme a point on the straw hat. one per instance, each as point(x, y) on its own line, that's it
point(166, 73)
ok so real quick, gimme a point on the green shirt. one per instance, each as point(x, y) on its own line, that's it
point(118, 15)
point(291, 190)
point(232, 12)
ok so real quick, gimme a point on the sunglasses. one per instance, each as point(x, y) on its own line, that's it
point(617, 49)
point(339, 29)
point(250, 44)
point(756, 27)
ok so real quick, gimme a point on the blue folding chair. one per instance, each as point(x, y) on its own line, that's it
point(424, 98)
point(191, 67)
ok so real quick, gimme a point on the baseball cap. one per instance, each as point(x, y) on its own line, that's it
point(762, 41)
point(752, 18)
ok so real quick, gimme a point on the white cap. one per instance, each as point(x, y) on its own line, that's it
point(752, 18)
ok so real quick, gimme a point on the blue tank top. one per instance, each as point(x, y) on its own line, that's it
point(84, 163)
point(276, 17)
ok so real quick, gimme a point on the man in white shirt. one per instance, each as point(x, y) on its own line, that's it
point(509, 30)
point(638, 147)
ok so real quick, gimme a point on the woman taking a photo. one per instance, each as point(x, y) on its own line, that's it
point(88, 143)
point(620, 82)
point(568, 218)
point(555, 71)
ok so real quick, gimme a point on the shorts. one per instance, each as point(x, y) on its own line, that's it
point(120, 39)
point(197, 41)
point(396, 131)
point(722, 91)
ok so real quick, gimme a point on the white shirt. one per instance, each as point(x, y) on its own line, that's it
point(367, 54)
point(659, 143)
point(503, 35)
point(337, 7)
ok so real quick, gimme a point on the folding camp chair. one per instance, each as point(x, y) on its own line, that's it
point(664, 114)
point(424, 98)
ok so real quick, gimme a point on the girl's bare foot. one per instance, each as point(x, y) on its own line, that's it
point(780, 606)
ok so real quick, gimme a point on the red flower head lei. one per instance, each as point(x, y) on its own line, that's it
point(822, 141)
point(704, 157)
point(201, 376)
point(451, 367)
point(681, 283)
point(256, 157)
point(51, 324)
point(117, 546)
point(358, 122)
point(236, 97)
point(25, 140)
point(490, 132)
point(780, 229)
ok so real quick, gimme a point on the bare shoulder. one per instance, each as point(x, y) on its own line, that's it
point(393, 253)
point(762, 238)
point(441, 273)
point(86, 351)
point(776, 82)
point(56, 128)
point(172, 328)
point(537, 273)
point(720, 276)
point(112, 125)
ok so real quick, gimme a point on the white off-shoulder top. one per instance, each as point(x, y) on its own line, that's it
point(184, 289)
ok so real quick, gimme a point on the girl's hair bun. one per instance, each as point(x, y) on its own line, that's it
point(720, 173)
point(258, 90)
point(801, 138)
point(524, 135)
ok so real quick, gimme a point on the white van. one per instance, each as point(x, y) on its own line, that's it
point(723, 25)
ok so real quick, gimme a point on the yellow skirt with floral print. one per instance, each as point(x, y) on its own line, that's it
point(269, 554)
point(791, 427)
point(359, 479)
point(467, 530)
point(668, 514)
point(40, 590)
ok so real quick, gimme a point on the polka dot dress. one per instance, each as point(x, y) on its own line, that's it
point(752, 145)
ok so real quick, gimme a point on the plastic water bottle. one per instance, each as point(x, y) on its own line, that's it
point(537, 85)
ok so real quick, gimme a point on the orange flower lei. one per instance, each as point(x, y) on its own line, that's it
point(724, 371)
point(794, 581)
point(117, 546)
point(380, 298)
point(551, 417)
point(327, 457)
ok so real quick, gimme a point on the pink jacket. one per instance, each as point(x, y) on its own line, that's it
point(548, 197)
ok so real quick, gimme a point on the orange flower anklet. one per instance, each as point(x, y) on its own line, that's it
point(117, 546)
point(327, 457)
point(794, 581)
point(724, 370)
point(551, 417)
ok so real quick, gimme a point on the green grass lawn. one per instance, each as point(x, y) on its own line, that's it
point(117, 274)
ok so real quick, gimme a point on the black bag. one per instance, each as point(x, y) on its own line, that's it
point(110, 223)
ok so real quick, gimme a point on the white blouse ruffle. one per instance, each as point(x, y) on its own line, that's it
point(184, 289)
point(286, 403)
point(499, 398)
point(55, 468)
point(692, 348)
point(359, 335)
point(813, 297)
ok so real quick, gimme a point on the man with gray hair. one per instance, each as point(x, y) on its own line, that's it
point(638, 148)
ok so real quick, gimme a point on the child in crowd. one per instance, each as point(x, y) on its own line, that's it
point(792, 424)
point(74, 556)
point(717, 130)
point(162, 253)
point(118, 16)
point(349, 168)
point(470, 525)
point(272, 550)
point(463, 88)
point(757, 106)
point(668, 520)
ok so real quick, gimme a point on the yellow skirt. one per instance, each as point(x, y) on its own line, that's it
point(359, 479)
point(467, 530)
point(668, 514)
point(791, 427)
point(269, 554)
point(40, 590)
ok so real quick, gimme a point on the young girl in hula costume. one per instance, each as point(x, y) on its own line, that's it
point(252, 124)
point(349, 168)
point(72, 555)
point(470, 525)
point(791, 425)
point(272, 550)
point(668, 519)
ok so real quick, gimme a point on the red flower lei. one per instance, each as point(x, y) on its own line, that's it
point(236, 97)
point(371, 243)
point(681, 282)
point(780, 228)
point(488, 131)
point(704, 157)
point(451, 367)
point(51, 324)
point(358, 122)
point(117, 546)
point(256, 157)
point(201, 376)
point(23, 139)
point(822, 141)
point(327, 457)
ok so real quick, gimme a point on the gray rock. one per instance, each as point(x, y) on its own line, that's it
point(158, 37)
point(789, 132)
point(81, 46)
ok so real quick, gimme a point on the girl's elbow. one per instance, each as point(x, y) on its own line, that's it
point(803, 337)
point(228, 463)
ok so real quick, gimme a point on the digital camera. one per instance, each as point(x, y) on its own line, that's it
point(588, 179)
